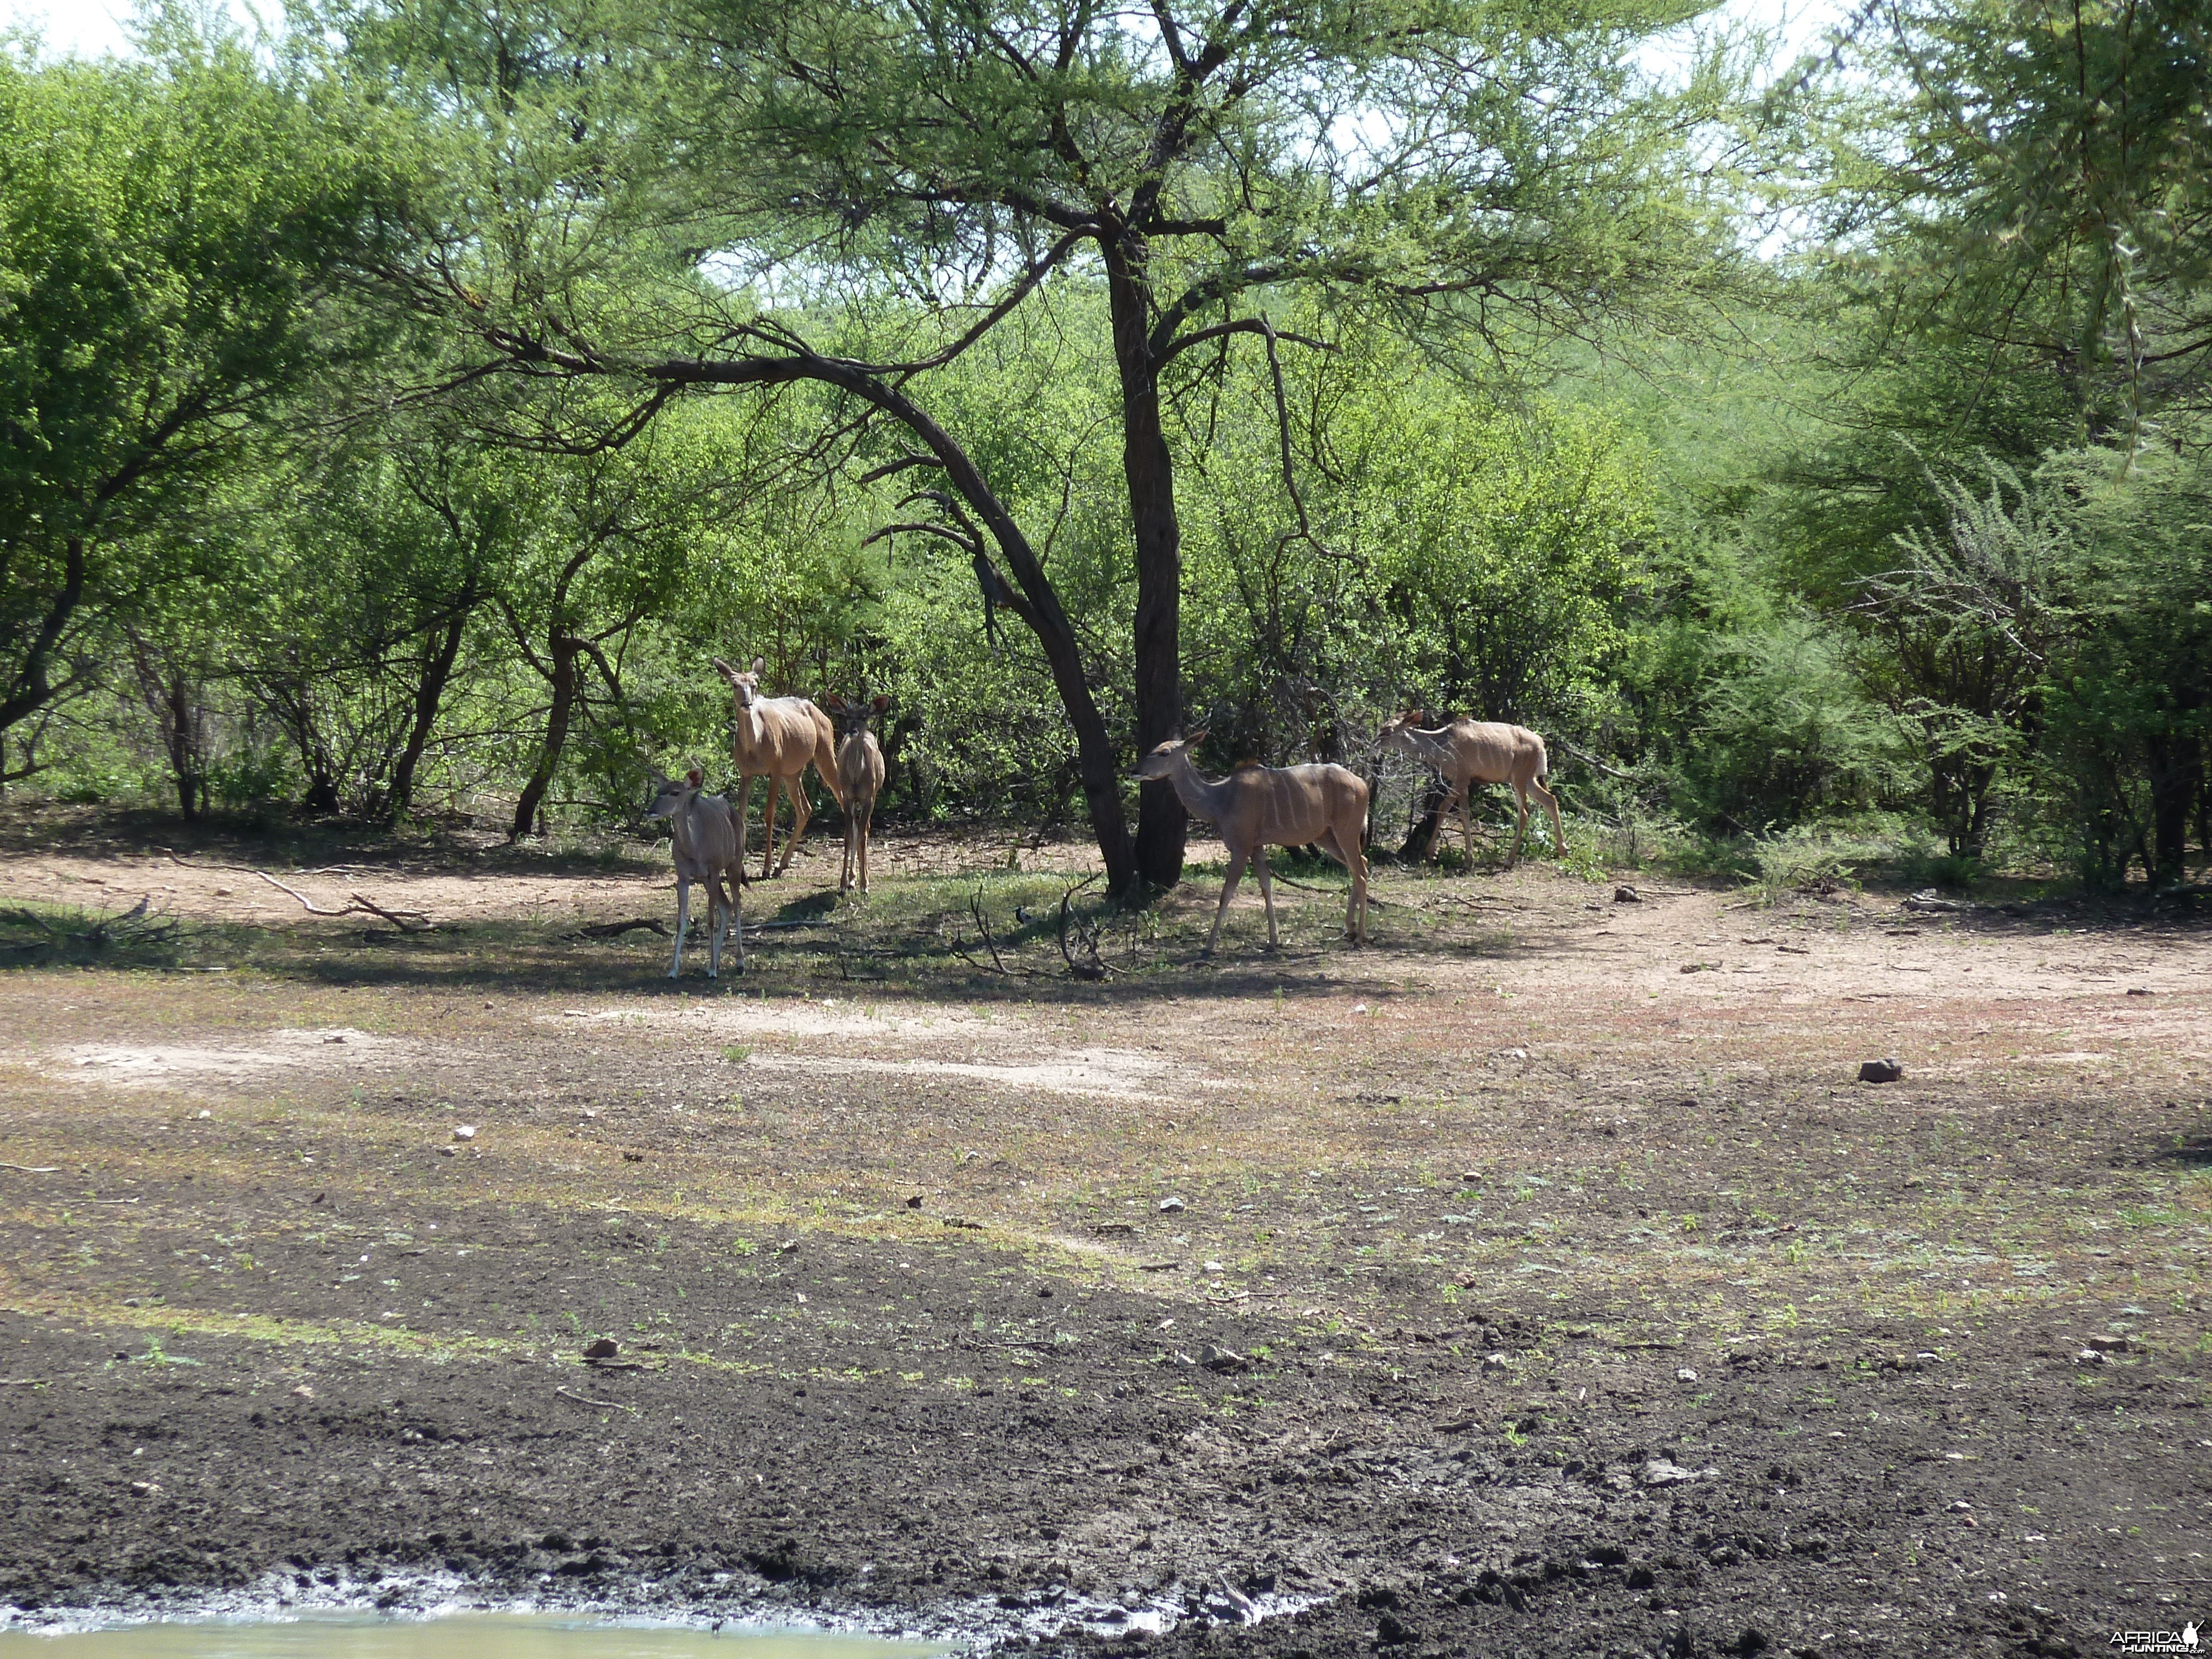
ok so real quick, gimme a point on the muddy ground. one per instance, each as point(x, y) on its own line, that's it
point(1538, 1279)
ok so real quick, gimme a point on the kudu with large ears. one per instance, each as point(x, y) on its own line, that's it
point(777, 738)
point(1468, 752)
point(706, 850)
point(1256, 807)
point(860, 776)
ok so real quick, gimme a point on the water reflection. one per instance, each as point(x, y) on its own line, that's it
point(457, 1636)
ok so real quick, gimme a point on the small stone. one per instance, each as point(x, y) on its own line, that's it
point(915, 1203)
point(447, 1151)
point(2109, 1344)
point(2139, 990)
point(1213, 1266)
point(1469, 1177)
point(203, 1112)
point(304, 1392)
point(1881, 1071)
point(1170, 1206)
point(1662, 1472)
point(604, 1348)
point(2089, 1357)
point(464, 1132)
point(1685, 1375)
point(1225, 1360)
point(1495, 1362)
point(1626, 895)
point(786, 1246)
point(1045, 1291)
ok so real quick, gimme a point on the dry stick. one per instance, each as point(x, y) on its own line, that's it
point(360, 905)
point(33, 1169)
point(605, 1404)
point(1284, 881)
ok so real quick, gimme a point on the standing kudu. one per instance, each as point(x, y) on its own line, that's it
point(1256, 807)
point(1468, 752)
point(860, 776)
point(777, 738)
point(708, 849)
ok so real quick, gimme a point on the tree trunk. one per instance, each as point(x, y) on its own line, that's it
point(428, 695)
point(564, 651)
point(2175, 764)
point(1041, 609)
point(28, 690)
point(1148, 471)
point(1423, 841)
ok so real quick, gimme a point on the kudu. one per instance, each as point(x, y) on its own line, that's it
point(706, 849)
point(1468, 752)
point(1256, 807)
point(777, 738)
point(860, 776)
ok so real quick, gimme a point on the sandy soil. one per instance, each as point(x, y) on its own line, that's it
point(1538, 1279)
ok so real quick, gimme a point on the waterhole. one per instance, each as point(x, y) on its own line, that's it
point(458, 1635)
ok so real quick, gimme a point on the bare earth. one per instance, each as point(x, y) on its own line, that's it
point(1538, 1279)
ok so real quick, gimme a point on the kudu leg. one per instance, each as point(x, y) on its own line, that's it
point(1228, 892)
point(717, 913)
point(867, 827)
point(1521, 828)
point(767, 828)
point(1266, 895)
point(800, 811)
point(683, 916)
point(1552, 806)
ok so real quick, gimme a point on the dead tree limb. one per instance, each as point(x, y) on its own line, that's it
point(407, 921)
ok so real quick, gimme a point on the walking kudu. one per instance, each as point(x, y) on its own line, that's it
point(777, 738)
point(1480, 751)
point(860, 776)
point(1256, 807)
point(706, 849)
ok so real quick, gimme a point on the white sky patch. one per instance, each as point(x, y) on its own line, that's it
point(99, 29)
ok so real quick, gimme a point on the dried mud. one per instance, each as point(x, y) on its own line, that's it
point(1539, 1281)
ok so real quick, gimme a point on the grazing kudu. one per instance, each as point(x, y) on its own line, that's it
point(777, 738)
point(1256, 807)
point(706, 849)
point(860, 776)
point(1480, 751)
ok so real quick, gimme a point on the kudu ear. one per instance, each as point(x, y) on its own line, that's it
point(831, 700)
point(880, 702)
point(724, 669)
point(760, 665)
point(1196, 737)
point(695, 777)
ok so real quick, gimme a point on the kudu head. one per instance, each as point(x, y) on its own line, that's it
point(1396, 732)
point(1162, 761)
point(744, 683)
point(671, 795)
point(851, 718)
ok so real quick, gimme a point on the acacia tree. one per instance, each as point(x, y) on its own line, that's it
point(169, 232)
point(726, 193)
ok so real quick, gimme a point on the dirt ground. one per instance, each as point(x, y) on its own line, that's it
point(1538, 1279)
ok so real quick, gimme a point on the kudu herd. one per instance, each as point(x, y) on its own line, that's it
point(1254, 808)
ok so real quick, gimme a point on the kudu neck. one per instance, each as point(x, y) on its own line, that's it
point(1198, 796)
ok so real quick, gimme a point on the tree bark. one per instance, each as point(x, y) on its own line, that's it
point(565, 650)
point(1148, 468)
point(2175, 765)
point(29, 689)
point(428, 694)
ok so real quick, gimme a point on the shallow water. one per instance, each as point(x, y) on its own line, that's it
point(457, 1636)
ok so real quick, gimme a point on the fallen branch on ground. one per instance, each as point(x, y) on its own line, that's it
point(617, 929)
point(407, 921)
point(33, 1169)
point(603, 1405)
point(1091, 967)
